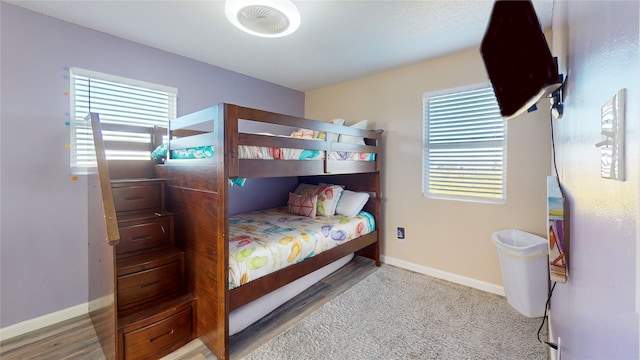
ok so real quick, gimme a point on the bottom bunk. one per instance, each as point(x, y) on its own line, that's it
point(262, 242)
point(266, 241)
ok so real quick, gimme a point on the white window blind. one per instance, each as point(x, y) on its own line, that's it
point(117, 100)
point(464, 155)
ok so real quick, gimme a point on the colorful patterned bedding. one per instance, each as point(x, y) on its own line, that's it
point(262, 242)
point(271, 153)
point(201, 152)
point(260, 152)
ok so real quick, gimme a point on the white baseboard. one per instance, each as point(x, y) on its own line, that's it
point(43, 321)
point(69, 313)
point(462, 280)
point(553, 354)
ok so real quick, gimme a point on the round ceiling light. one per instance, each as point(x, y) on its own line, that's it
point(266, 18)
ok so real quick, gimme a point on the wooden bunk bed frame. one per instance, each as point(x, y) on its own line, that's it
point(198, 195)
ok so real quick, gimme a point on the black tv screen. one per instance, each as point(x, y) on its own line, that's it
point(517, 57)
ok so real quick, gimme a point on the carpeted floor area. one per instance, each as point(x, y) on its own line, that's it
point(398, 314)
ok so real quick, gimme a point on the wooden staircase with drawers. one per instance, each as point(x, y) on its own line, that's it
point(139, 303)
point(155, 314)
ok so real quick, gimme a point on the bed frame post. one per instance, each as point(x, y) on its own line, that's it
point(231, 140)
point(197, 194)
point(224, 128)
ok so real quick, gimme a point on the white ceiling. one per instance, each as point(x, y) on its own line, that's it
point(337, 40)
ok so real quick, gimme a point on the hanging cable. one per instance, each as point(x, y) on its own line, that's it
point(553, 147)
point(546, 307)
point(553, 152)
point(555, 167)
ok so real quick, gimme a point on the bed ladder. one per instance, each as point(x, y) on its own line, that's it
point(138, 301)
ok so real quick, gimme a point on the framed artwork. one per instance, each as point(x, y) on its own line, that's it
point(558, 242)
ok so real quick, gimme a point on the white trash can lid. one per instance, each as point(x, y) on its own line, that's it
point(520, 243)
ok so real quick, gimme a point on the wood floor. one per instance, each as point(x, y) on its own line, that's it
point(76, 339)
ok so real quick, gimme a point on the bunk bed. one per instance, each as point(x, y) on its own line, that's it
point(198, 194)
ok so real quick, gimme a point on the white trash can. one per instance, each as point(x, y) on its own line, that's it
point(524, 263)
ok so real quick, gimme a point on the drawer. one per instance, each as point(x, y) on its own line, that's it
point(159, 338)
point(147, 285)
point(137, 197)
point(145, 235)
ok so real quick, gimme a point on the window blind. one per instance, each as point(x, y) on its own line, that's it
point(118, 101)
point(464, 146)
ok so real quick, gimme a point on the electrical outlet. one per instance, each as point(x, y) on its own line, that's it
point(401, 234)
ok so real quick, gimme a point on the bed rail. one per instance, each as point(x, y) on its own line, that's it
point(103, 235)
point(113, 234)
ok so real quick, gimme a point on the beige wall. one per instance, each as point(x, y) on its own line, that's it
point(445, 237)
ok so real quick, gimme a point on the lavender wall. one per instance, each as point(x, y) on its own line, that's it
point(43, 233)
point(594, 313)
point(260, 194)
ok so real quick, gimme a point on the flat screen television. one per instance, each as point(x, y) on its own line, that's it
point(517, 57)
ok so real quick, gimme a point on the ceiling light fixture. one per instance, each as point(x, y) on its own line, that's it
point(265, 18)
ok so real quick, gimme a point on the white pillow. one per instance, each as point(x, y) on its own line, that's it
point(333, 137)
point(351, 203)
point(362, 124)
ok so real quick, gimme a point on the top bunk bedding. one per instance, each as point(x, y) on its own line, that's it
point(314, 147)
point(261, 153)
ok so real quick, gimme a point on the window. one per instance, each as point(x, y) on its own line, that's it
point(118, 101)
point(464, 156)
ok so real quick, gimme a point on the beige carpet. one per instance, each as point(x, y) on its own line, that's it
point(398, 314)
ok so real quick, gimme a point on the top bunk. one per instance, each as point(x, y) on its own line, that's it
point(312, 148)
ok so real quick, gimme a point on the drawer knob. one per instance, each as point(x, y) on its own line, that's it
point(133, 198)
point(150, 284)
point(140, 237)
point(170, 332)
